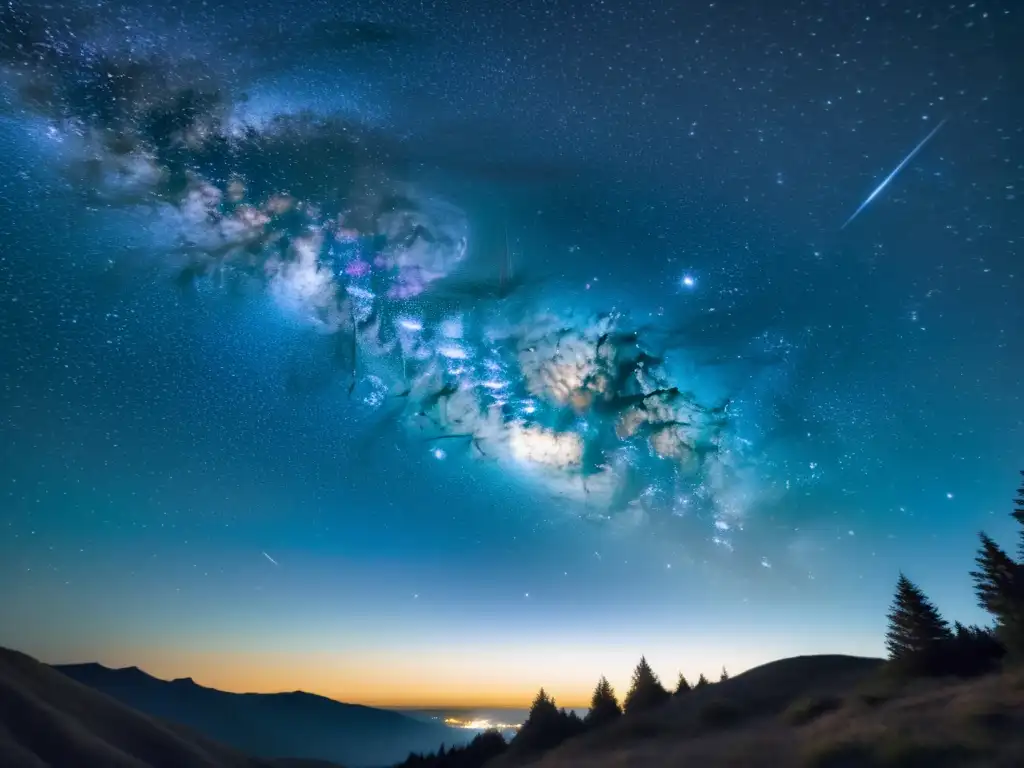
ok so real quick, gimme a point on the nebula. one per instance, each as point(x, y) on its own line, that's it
point(314, 212)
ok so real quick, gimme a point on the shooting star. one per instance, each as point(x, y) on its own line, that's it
point(270, 558)
point(891, 176)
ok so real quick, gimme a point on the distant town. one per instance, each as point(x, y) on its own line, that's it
point(480, 724)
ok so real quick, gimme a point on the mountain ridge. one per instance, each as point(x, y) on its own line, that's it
point(287, 724)
point(94, 667)
point(48, 720)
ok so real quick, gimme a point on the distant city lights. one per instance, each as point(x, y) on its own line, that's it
point(480, 724)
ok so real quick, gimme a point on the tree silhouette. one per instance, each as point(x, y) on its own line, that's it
point(683, 686)
point(483, 748)
point(724, 676)
point(646, 692)
point(570, 724)
point(546, 727)
point(999, 586)
point(604, 706)
point(972, 651)
point(1018, 515)
point(701, 682)
point(995, 577)
point(542, 710)
point(916, 629)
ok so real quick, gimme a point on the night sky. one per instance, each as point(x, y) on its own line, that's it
point(430, 352)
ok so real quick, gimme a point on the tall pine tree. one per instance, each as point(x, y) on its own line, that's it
point(604, 706)
point(724, 676)
point(701, 682)
point(646, 692)
point(543, 728)
point(543, 708)
point(995, 577)
point(916, 629)
point(1018, 514)
point(999, 586)
point(683, 686)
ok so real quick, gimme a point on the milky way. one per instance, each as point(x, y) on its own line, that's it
point(315, 210)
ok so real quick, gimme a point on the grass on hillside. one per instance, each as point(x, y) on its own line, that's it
point(876, 722)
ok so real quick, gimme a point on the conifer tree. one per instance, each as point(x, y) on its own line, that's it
point(994, 579)
point(543, 728)
point(916, 629)
point(646, 692)
point(1018, 514)
point(999, 586)
point(570, 724)
point(604, 706)
point(974, 651)
point(542, 708)
point(724, 676)
point(683, 686)
point(701, 681)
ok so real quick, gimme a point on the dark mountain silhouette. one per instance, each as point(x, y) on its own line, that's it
point(814, 712)
point(753, 698)
point(272, 725)
point(50, 721)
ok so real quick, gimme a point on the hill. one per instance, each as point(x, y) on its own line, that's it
point(49, 721)
point(272, 725)
point(815, 712)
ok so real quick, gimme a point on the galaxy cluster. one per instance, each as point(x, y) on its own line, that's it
point(315, 211)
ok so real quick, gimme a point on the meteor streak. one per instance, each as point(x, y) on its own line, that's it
point(891, 176)
point(270, 558)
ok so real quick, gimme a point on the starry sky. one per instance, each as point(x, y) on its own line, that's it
point(425, 353)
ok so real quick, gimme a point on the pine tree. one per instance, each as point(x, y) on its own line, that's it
point(543, 727)
point(701, 682)
point(570, 724)
point(543, 708)
point(646, 692)
point(999, 585)
point(604, 706)
point(916, 629)
point(1018, 514)
point(724, 676)
point(994, 579)
point(974, 651)
point(683, 686)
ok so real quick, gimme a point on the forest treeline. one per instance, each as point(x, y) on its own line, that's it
point(920, 643)
point(547, 725)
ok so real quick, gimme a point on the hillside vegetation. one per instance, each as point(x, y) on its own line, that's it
point(872, 722)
